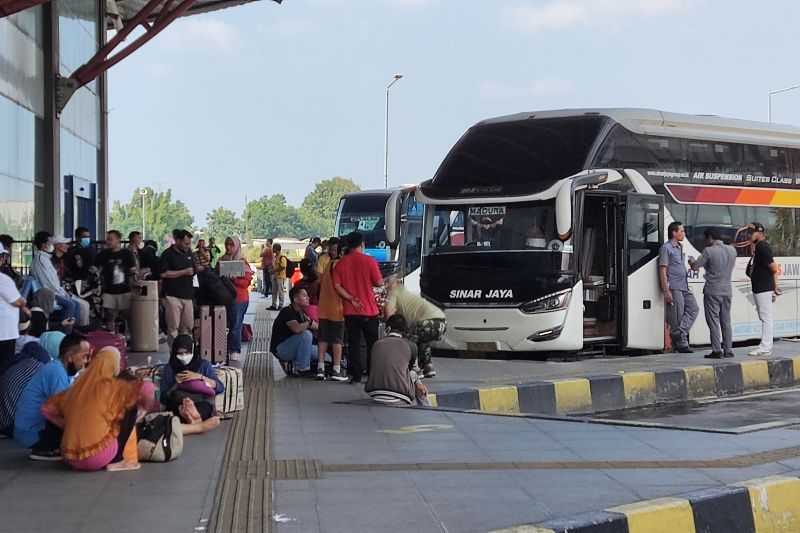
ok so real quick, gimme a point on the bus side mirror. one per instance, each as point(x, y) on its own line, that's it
point(392, 214)
point(564, 211)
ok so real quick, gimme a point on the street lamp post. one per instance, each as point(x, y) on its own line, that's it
point(143, 193)
point(779, 91)
point(395, 79)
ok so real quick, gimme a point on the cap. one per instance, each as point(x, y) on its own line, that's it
point(61, 240)
point(3, 249)
point(758, 226)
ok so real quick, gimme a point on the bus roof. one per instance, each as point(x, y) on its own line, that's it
point(376, 192)
point(663, 123)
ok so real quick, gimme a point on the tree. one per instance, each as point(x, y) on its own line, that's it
point(221, 223)
point(271, 216)
point(320, 205)
point(162, 215)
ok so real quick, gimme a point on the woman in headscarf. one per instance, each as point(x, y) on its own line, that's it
point(187, 376)
point(51, 342)
point(237, 310)
point(98, 416)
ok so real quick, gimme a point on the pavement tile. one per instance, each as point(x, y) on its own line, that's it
point(398, 515)
point(733, 475)
point(464, 517)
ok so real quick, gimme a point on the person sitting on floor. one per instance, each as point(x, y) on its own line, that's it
point(291, 339)
point(15, 374)
point(51, 342)
point(98, 416)
point(30, 428)
point(189, 385)
point(391, 380)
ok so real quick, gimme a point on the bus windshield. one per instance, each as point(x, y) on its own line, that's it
point(528, 227)
point(366, 215)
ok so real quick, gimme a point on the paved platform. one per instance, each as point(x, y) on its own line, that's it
point(457, 373)
point(311, 456)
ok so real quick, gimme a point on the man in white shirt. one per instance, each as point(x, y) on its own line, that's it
point(45, 273)
point(10, 304)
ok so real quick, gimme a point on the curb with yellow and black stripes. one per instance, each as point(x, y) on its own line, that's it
point(626, 390)
point(764, 505)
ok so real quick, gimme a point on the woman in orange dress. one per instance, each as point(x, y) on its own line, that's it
point(98, 416)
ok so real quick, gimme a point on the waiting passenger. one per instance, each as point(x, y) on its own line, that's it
point(763, 272)
point(51, 342)
point(681, 305)
point(30, 428)
point(331, 316)
point(118, 267)
point(238, 309)
point(391, 380)
point(45, 273)
point(291, 339)
point(188, 376)
point(98, 415)
point(426, 322)
point(15, 375)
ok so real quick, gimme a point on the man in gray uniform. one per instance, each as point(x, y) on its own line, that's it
point(718, 259)
point(681, 305)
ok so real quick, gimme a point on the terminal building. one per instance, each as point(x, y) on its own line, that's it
point(53, 104)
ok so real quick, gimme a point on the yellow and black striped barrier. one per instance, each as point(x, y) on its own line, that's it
point(627, 389)
point(768, 505)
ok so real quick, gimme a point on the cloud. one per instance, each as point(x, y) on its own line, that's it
point(494, 90)
point(569, 14)
point(202, 32)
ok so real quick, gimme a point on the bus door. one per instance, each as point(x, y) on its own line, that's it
point(643, 310)
point(598, 245)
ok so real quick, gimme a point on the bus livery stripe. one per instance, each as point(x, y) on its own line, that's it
point(726, 195)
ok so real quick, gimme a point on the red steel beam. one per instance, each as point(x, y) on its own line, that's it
point(9, 7)
point(104, 59)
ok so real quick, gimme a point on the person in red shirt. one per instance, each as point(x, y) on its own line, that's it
point(354, 278)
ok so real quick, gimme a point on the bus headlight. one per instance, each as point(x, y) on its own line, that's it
point(551, 302)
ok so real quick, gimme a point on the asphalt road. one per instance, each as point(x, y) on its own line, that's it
point(740, 414)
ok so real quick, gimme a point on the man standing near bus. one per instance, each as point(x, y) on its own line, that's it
point(763, 272)
point(718, 260)
point(681, 305)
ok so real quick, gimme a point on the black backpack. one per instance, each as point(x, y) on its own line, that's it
point(291, 266)
point(215, 290)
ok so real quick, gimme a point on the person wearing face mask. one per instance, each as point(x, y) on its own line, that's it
point(80, 257)
point(30, 427)
point(187, 375)
point(45, 273)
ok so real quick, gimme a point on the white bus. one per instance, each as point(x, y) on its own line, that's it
point(563, 213)
point(391, 222)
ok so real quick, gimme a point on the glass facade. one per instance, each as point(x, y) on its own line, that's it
point(80, 120)
point(21, 120)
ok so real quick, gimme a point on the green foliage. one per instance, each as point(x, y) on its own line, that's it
point(272, 216)
point(252, 254)
point(162, 215)
point(222, 223)
point(320, 205)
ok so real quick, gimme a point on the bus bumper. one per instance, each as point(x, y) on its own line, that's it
point(504, 329)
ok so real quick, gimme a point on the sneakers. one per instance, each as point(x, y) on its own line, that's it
point(45, 455)
point(339, 376)
point(714, 355)
point(320, 373)
point(758, 352)
point(728, 355)
point(428, 371)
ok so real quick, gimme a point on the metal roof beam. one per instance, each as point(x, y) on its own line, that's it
point(9, 7)
point(104, 59)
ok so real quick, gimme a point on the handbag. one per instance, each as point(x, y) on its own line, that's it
point(160, 438)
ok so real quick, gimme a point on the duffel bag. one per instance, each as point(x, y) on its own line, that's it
point(160, 438)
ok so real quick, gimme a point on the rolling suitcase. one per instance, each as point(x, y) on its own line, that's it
point(213, 333)
point(232, 400)
point(100, 339)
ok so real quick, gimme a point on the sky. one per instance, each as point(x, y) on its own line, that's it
point(265, 98)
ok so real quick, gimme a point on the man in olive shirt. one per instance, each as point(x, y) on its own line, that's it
point(427, 323)
point(718, 260)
